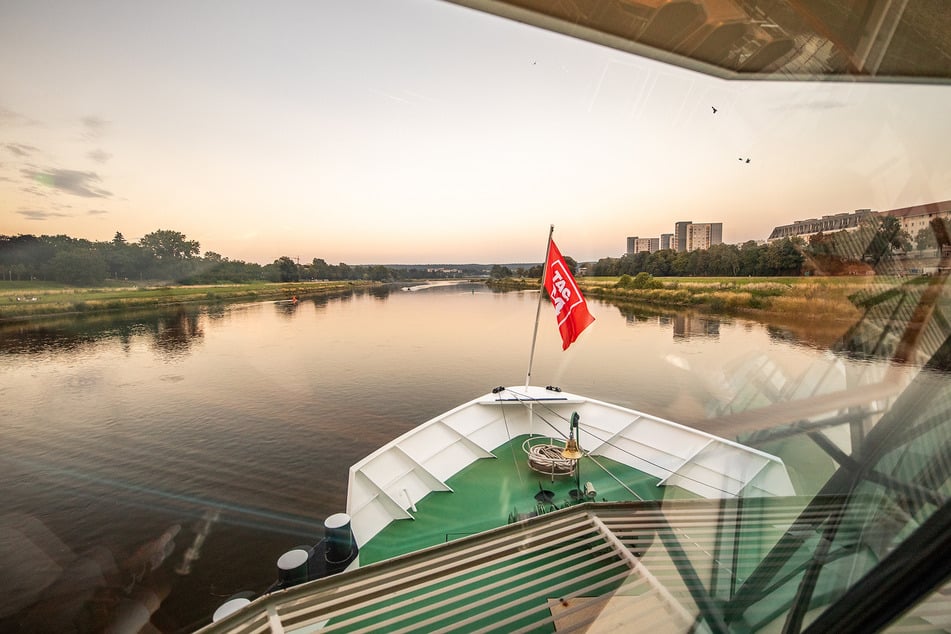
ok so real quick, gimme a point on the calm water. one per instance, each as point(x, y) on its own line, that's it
point(204, 443)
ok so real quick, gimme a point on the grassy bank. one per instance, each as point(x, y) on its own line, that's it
point(827, 298)
point(806, 297)
point(22, 300)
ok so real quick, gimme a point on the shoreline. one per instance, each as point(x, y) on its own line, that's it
point(826, 298)
point(829, 299)
point(23, 304)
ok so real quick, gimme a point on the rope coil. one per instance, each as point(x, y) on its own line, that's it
point(546, 458)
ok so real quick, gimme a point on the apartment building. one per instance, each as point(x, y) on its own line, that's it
point(703, 235)
point(917, 217)
point(687, 236)
point(826, 224)
point(912, 219)
point(642, 245)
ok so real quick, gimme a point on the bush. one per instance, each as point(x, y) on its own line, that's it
point(642, 280)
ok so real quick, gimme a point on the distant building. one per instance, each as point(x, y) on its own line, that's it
point(649, 245)
point(687, 236)
point(703, 235)
point(642, 245)
point(826, 224)
point(693, 236)
point(680, 235)
point(914, 219)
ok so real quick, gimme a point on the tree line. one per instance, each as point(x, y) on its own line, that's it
point(782, 257)
point(169, 256)
point(870, 246)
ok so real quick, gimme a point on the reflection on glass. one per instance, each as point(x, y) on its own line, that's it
point(226, 433)
point(859, 537)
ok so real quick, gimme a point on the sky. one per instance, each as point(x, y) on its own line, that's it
point(418, 131)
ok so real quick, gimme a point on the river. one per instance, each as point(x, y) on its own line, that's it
point(171, 457)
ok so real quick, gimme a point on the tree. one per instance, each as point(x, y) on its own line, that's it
point(321, 270)
point(724, 260)
point(680, 266)
point(499, 272)
point(751, 256)
point(79, 266)
point(699, 262)
point(605, 267)
point(888, 237)
point(572, 265)
point(661, 263)
point(927, 236)
point(783, 257)
point(287, 269)
point(379, 273)
point(25, 255)
point(121, 258)
point(165, 244)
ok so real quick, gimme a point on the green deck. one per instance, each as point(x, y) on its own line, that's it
point(489, 493)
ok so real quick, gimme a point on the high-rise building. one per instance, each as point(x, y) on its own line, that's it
point(691, 236)
point(687, 236)
point(680, 234)
point(703, 235)
point(640, 245)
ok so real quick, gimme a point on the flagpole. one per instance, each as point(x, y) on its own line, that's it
point(538, 310)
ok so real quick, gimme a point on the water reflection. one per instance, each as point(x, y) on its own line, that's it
point(286, 307)
point(175, 333)
point(380, 292)
point(686, 325)
point(781, 333)
point(682, 324)
point(238, 423)
point(814, 332)
point(171, 331)
point(634, 313)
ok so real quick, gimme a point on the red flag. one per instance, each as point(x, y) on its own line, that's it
point(570, 308)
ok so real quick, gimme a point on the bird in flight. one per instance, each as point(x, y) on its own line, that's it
point(714, 109)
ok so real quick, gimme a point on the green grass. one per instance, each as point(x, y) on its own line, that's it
point(23, 300)
point(827, 298)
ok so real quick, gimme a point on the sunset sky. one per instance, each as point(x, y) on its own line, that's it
point(418, 131)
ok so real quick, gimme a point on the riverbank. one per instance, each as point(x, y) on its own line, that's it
point(20, 300)
point(826, 298)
